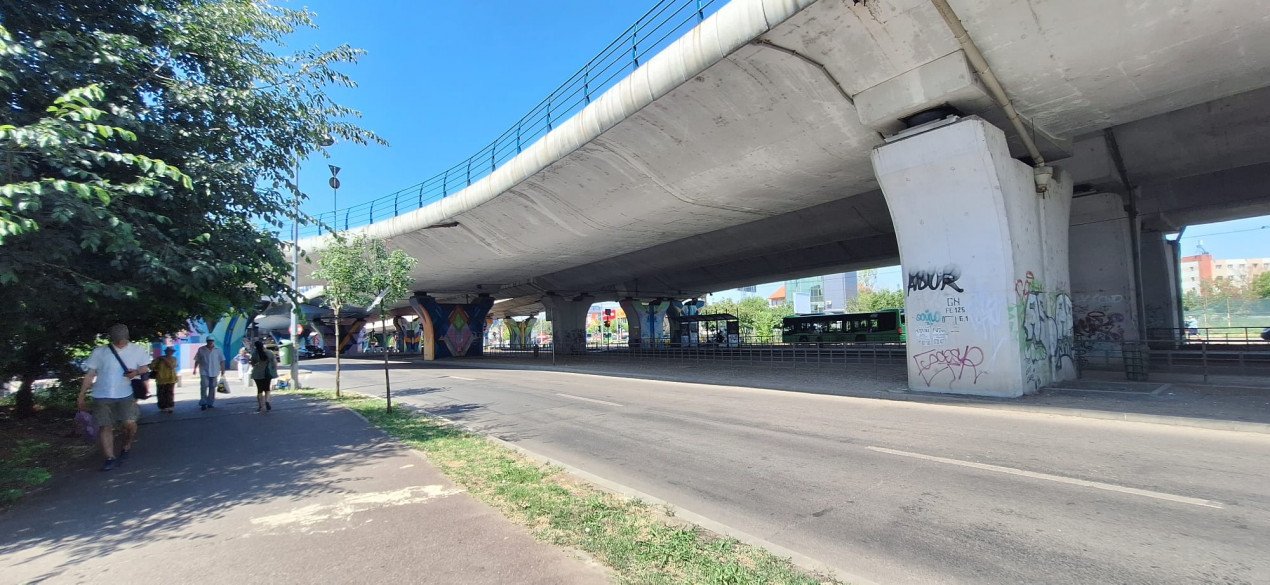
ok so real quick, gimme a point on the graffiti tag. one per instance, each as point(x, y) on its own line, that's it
point(935, 279)
point(955, 362)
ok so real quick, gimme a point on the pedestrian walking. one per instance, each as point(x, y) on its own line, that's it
point(212, 363)
point(166, 378)
point(111, 369)
point(264, 368)
point(244, 367)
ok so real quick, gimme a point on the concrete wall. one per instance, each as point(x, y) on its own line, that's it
point(985, 258)
point(1104, 302)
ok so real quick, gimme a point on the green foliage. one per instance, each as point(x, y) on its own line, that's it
point(20, 469)
point(146, 151)
point(869, 300)
point(1260, 286)
point(356, 270)
point(757, 317)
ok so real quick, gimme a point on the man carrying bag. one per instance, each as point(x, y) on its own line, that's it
point(112, 369)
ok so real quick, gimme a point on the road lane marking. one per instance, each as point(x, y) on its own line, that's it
point(588, 399)
point(462, 378)
point(1055, 478)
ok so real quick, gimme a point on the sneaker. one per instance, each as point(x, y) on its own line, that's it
point(257, 409)
point(123, 455)
point(202, 407)
point(109, 464)
point(210, 406)
point(268, 406)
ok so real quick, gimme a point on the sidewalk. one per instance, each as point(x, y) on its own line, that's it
point(309, 493)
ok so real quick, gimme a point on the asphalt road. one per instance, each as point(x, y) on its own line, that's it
point(894, 492)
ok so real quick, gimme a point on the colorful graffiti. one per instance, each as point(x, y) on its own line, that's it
point(1100, 326)
point(452, 330)
point(520, 334)
point(1044, 321)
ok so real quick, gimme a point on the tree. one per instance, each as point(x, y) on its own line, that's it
point(755, 315)
point(355, 271)
point(869, 300)
point(145, 160)
point(1260, 285)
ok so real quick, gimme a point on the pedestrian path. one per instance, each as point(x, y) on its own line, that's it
point(306, 493)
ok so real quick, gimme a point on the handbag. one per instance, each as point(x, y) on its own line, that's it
point(140, 390)
point(222, 386)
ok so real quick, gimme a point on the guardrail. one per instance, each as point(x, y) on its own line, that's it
point(1205, 352)
point(662, 25)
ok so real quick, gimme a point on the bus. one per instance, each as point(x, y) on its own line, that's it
point(885, 326)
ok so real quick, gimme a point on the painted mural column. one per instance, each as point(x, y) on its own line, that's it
point(350, 330)
point(647, 321)
point(568, 322)
point(520, 334)
point(451, 329)
point(988, 300)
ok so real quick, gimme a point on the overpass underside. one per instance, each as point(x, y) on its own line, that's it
point(777, 140)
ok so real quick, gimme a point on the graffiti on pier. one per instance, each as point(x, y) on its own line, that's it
point(935, 280)
point(929, 316)
point(1045, 331)
point(957, 363)
point(1100, 326)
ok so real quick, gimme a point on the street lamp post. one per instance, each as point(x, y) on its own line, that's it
point(295, 279)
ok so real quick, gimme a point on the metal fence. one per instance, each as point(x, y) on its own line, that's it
point(657, 29)
point(1203, 351)
point(775, 354)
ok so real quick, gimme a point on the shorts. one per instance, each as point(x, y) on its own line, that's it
point(262, 384)
point(110, 412)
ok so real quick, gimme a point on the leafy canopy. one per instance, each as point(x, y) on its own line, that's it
point(146, 149)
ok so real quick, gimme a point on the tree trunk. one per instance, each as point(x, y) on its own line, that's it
point(337, 351)
point(24, 400)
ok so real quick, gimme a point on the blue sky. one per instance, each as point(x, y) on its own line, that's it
point(442, 79)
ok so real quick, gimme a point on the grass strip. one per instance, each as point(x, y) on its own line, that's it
point(637, 541)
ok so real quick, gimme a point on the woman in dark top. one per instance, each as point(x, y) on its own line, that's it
point(263, 370)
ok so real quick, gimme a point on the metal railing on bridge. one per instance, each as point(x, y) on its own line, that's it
point(661, 26)
point(764, 350)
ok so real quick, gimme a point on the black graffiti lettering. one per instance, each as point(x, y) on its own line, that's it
point(934, 279)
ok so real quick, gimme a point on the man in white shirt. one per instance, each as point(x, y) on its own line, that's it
point(111, 385)
point(211, 362)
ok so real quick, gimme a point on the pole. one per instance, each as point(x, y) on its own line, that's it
point(387, 385)
point(295, 278)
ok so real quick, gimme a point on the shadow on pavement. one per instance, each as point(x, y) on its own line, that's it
point(188, 468)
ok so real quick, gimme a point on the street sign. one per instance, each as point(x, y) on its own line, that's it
point(335, 171)
point(334, 183)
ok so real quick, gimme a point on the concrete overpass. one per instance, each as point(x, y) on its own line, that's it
point(776, 139)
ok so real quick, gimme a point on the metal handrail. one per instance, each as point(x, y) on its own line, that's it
point(664, 23)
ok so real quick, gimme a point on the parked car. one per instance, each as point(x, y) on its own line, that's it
point(1265, 334)
point(309, 352)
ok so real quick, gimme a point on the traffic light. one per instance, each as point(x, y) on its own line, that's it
point(608, 318)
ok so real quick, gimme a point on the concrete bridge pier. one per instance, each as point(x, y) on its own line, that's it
point(520, 334)
point(350, 328)
point(646, 320)
point(451, 329)
point(568, 322)
point(985, 255)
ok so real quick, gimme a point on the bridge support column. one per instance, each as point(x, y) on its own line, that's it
point(452, 330)
point(520, 334)
point(988, 300)
point(1161, 295)
point(350, 329)
point(1104, 296)
point(647, 321)
point(568, 322)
